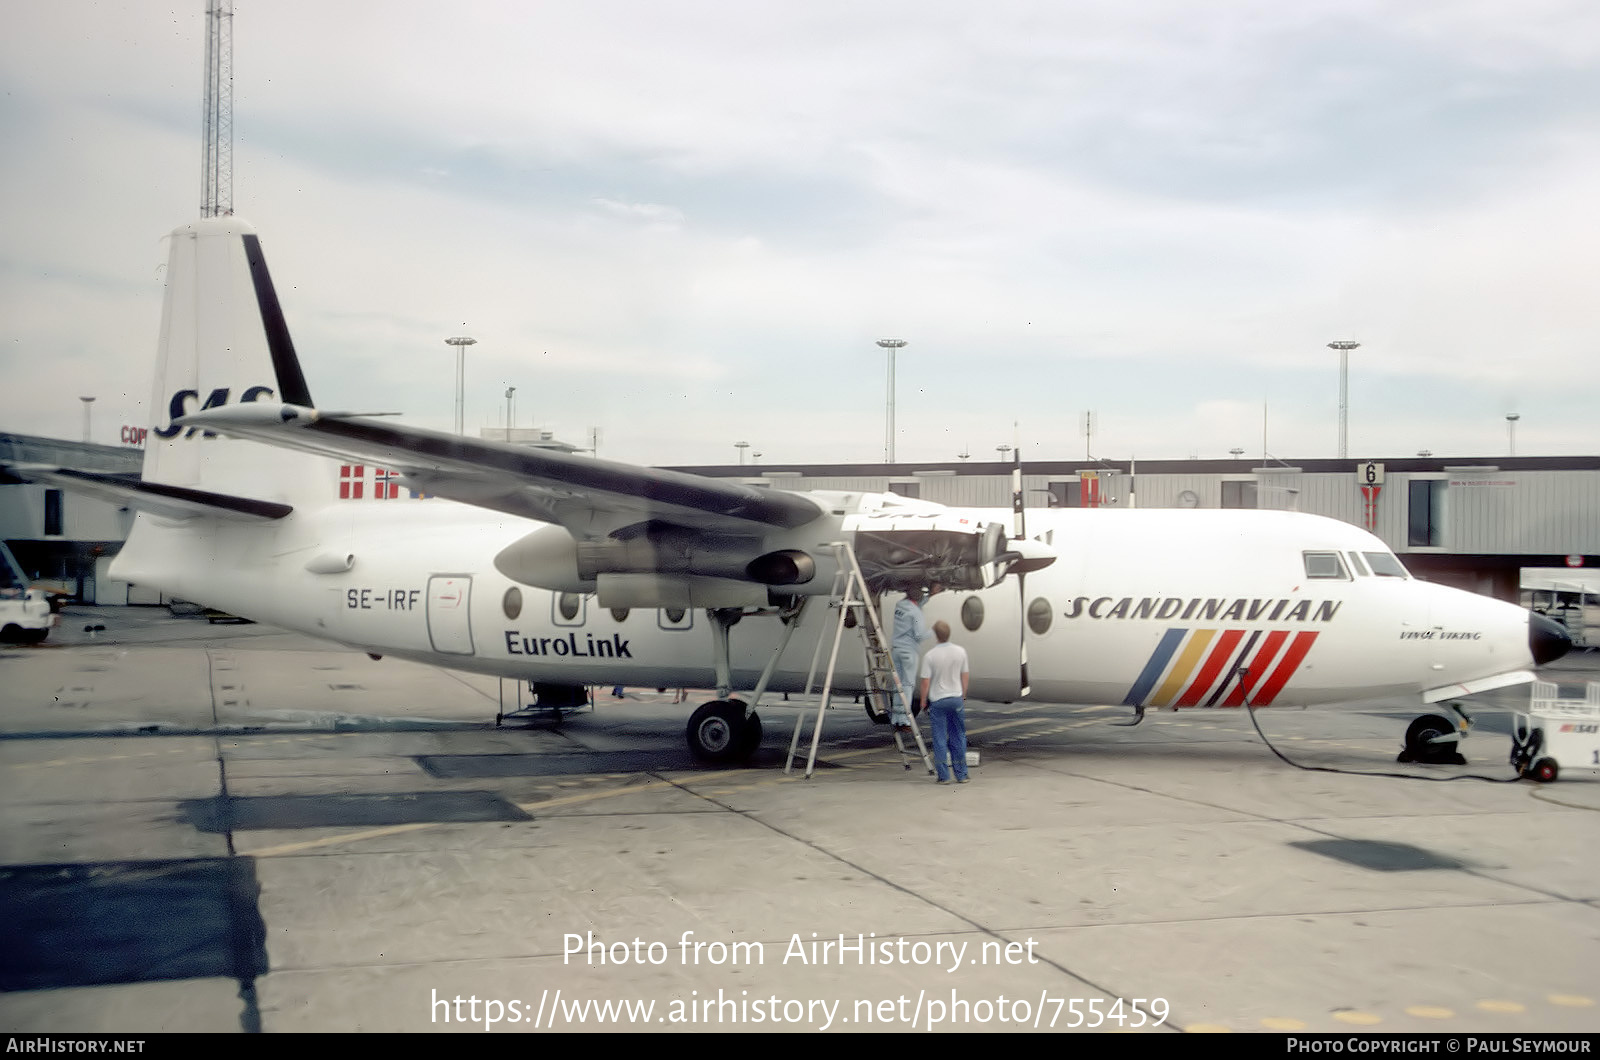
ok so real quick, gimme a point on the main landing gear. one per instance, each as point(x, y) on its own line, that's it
point(1435, 739)
point(727, 729)
point(723, 731)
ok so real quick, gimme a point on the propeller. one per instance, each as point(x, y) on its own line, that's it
point(1019, 513)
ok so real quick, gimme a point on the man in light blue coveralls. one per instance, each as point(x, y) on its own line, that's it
point(905, 647)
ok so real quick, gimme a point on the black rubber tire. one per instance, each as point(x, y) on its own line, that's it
point(1419, 734)
point(719, 734)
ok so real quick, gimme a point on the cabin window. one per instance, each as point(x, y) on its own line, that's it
point(619, 614)
point(1325, 565)
point(569, 606)
point(1356, 564)
point(1039, 615)
point(511, 604)
point(1385, 565)
point(972, 613)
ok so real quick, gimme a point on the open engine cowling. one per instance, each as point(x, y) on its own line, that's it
point(904, 551)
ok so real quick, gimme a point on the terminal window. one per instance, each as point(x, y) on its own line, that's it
point(52, 513)
point(1066, 494)
point(1425, 525)
point(1238, 494)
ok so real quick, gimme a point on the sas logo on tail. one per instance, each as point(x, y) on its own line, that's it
point(181, 401)
point(1219, 668)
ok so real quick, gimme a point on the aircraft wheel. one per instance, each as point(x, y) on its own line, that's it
point(719, 733)
point(1419, 745)
point(1545, 770)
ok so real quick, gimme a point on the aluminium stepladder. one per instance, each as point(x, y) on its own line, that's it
point(855, 601)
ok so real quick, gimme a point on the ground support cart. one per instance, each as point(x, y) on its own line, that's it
point(1556, 734)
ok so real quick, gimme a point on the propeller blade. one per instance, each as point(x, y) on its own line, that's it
point(1019, 512)
point(1022, 634)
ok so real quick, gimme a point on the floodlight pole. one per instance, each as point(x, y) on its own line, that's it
point(460, 342)
point(1344, 346)
point(890, 345)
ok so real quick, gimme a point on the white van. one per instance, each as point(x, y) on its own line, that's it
point(25, 613)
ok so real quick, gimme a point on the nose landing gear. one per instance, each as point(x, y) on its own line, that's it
point(1435, 739)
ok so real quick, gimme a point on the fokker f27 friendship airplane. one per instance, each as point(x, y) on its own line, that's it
point(568, 571)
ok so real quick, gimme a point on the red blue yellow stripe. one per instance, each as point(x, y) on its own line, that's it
point(1189, 666)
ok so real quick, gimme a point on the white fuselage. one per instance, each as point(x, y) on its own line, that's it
point(1142, 607)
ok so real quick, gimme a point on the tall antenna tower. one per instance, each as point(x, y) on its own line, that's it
point(216, 180)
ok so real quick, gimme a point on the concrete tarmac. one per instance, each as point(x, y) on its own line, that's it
point(224, 828)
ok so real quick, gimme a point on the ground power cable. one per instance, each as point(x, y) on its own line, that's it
point(1251, 707)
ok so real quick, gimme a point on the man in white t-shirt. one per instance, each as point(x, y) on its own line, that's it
point(944, 690)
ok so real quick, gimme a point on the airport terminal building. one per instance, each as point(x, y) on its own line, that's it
point(1474, 523)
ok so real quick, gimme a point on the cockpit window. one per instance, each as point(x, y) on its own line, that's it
point(1356, 565)
point(1384, 565)
point(1325, 565)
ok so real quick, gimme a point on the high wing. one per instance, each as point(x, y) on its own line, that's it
point(590, 498)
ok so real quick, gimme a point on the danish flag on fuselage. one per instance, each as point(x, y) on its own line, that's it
point(385, 483)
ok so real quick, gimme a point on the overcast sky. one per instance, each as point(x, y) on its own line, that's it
point(686, 223)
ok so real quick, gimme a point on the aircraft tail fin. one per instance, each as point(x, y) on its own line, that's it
point(223, 342)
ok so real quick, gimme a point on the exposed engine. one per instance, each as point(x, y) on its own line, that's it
point(897, 556)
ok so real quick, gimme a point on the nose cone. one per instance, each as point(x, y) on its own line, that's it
point(1548, 639)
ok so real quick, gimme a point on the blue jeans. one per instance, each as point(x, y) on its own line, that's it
point(905, 667)
point(948, 718)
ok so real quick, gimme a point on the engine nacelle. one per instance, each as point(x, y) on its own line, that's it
point(551, 559)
